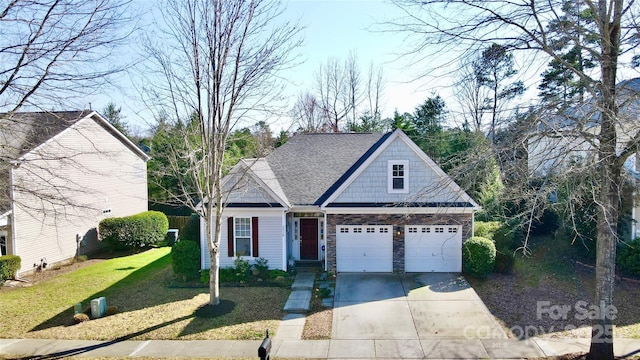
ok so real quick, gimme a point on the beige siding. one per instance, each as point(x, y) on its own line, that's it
point(271, 241)
point(66, 186)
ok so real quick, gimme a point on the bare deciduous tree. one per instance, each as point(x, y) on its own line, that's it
point(307, 114)
point(52, 51)
point(218, 61)
point(521, 25)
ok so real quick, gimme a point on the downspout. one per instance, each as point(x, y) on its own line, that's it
point(12, 217)
point(633, 216)
point(285, 257)
point(326, 248)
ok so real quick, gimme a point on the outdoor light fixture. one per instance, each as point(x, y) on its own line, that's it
point(398, 230)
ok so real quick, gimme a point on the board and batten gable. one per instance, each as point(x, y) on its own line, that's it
point(271, 237)
point(63, 188)
point(426, 182)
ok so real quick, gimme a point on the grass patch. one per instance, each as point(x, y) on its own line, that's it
point(551, 274)
point(148, 309)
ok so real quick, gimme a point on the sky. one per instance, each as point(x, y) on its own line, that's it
point(331, 29)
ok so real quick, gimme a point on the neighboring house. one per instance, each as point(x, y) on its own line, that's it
point(60, 174)
point(564, 142)
point(358, 202)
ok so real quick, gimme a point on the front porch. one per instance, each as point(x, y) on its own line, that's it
point(306, 239)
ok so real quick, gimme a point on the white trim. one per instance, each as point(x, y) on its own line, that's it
point(235, 237)
point(400, 210)
point(285, 258)
point(405, 176)
point(399, 134)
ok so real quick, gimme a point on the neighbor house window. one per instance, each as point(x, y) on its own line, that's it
point(242, 236)
point(398, 179)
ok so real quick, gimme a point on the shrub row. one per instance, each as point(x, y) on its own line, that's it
point(482, 258)
point(134, 232)
point(9, 265)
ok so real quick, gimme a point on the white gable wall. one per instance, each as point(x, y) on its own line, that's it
point(88, 175)
point(271, 238)
point(425, 185)
point(242, 188)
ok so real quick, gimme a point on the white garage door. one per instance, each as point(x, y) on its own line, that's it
point(364, 248)
point(433, 248)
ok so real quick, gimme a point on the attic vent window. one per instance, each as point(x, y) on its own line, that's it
point(398, 179)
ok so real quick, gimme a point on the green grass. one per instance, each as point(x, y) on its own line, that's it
point(148, 309)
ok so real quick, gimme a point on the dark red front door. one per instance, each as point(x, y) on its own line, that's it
point(308, 239)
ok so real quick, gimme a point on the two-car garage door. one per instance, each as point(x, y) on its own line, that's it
point(428, 248)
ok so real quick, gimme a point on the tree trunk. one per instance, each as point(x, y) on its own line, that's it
point(602, 330)
point(214, 255)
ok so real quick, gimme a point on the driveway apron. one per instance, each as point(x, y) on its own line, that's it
point(410, 307)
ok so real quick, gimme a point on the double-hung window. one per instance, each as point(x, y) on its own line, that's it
point(398, 176)
point(242, 236)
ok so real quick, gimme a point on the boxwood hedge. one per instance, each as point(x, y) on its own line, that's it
point(138, 231)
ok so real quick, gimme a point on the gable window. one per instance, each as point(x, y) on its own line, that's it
point(398, 176)
point(242, 236)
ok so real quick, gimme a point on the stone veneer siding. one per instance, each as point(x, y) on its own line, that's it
point(398, 238)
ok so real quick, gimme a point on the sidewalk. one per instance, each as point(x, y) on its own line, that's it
point(324, 349)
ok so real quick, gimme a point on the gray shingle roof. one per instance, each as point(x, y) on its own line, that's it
point(309, 164)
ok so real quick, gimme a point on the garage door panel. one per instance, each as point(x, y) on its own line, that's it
point(364, 248)
point(433, 248)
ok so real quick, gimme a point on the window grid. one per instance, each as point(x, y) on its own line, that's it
point(384, 230)
point(439, 230)
point(344, 230)
point(371, 230)
point(357, 230)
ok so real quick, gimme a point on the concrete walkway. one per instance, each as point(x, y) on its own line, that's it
point(300, 297)
point(321, 349)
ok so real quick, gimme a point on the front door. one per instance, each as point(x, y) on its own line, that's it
point(308, 239)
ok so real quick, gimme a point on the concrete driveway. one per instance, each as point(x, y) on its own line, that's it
point(411, 307)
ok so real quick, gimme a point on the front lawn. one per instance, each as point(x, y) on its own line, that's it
point(147, 308)
point(549, 277)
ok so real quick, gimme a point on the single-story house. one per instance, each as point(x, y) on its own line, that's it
point(357, 202)
point(60, 174)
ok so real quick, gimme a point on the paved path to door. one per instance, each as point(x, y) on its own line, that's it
point(431, 306)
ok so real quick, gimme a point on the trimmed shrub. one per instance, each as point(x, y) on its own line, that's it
point(9, 265)
point(629, 257)
point(134, 232)
point(190, 230)
point(80, 318)
point(185, 259)
point(478, 257)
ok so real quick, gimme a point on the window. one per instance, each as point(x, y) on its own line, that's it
point(357, 230)
point(371, 230)
point(384, 230)
point(242, 233)
point(344, 230)
point(453, 230)
point(413, 230)
point(439, 230)
point(398, 178)
point(3, 245)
